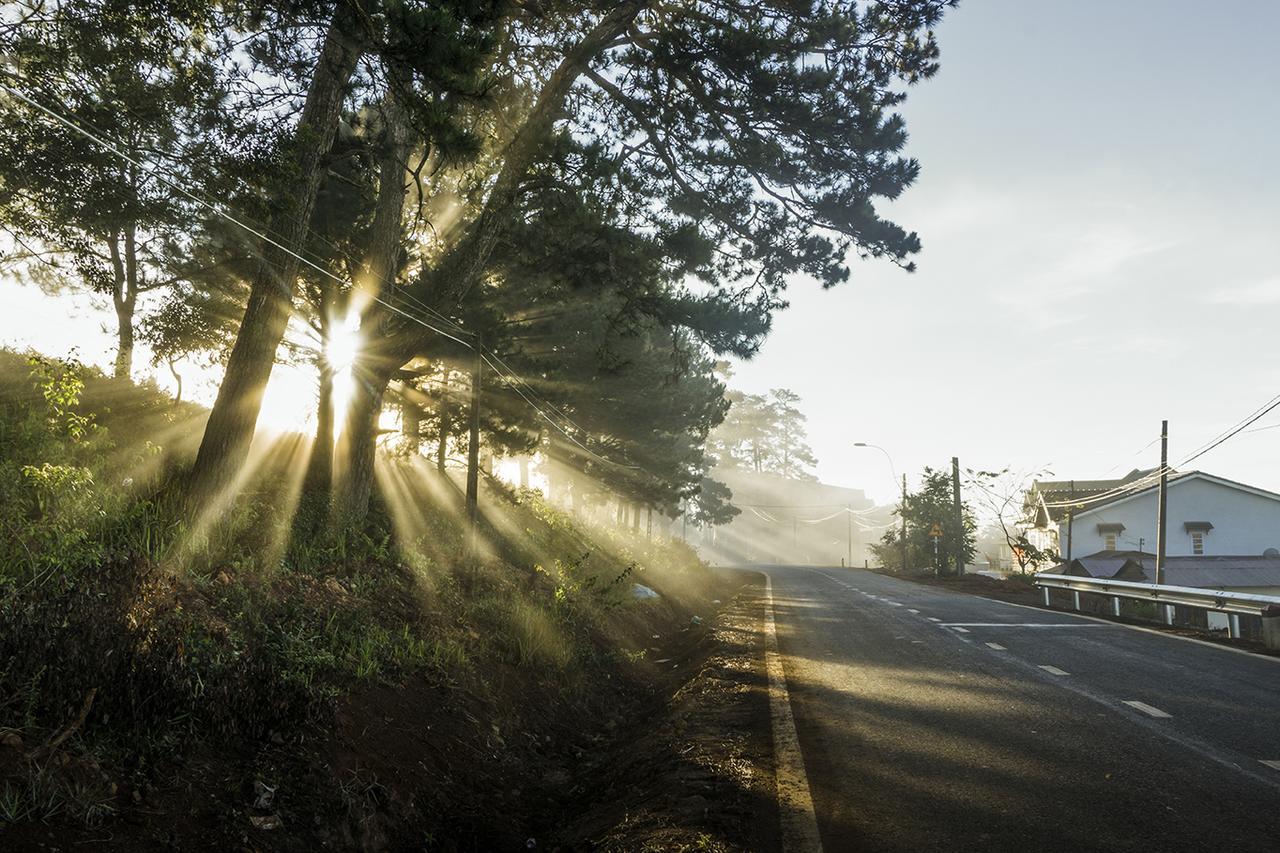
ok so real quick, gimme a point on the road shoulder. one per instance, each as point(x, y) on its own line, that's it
point(698, 775)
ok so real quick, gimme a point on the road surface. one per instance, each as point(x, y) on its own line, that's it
point(931, 720)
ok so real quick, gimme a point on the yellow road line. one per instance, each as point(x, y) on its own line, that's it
point(795, 803)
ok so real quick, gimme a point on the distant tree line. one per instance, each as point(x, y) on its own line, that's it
point(764, 433)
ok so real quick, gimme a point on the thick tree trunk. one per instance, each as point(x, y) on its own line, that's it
point(235, 412)
point(375, 368)
point(358, 444)
point(524, 472)
point(465, 264)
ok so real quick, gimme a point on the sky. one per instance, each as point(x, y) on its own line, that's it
point(1099, 207)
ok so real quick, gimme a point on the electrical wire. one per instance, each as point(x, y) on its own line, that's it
point(1147, 481)
point(153, 172)
point(485, 357)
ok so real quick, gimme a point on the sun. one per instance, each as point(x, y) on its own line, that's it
point(290, 400)
point(341, 351)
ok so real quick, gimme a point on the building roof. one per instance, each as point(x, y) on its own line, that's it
point(1059, 491)
point(1204, 572)
point(1177, 479)
point(1046, 493)
point(1105, 564)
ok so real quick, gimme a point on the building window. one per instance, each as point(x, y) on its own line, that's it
point(1109, 541)
point(1197, 542)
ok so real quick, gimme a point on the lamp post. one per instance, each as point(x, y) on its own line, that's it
point(902, 507)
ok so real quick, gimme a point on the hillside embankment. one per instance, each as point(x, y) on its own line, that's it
point(242, 678)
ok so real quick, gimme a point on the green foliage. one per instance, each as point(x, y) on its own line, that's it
point(932, 504)
point(54, 503)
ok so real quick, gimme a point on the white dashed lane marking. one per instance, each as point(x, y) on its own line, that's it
point(1146, 709)
point(1053, 670)
point(934, 619)
point(961, 630)
point(1023, 625)
point(996, 646)
point(912, 610)
point(1274, 765)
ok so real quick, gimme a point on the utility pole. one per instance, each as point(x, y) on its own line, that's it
point(902, 511)
point(473, 447)
point(848, 518)
point(955, 503)
point(1071, 513)
point(1162, 510)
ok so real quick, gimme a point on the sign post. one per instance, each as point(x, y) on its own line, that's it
point(935, 533)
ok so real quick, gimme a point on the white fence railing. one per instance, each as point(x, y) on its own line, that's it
point(1234, 604)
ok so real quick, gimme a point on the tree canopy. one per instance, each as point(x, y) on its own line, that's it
point(592, 201)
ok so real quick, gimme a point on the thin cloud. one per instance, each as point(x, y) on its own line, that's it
point(1259, 293)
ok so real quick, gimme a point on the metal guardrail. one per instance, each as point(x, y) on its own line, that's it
point(1187, 596)
point(1235, 604)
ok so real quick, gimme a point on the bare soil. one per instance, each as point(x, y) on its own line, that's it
point(698, 775)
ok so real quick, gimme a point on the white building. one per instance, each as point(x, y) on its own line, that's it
point(1206, 515)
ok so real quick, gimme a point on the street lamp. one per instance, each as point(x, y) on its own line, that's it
point(892, 470)
point(902, 507)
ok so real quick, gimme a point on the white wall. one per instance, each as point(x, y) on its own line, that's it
point(1244, 524)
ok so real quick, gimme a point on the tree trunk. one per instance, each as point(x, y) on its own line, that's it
point(358, 444)
point(465, 264)
point(411, 425)
point(319, 477)
point(124, 340)
point(442, 445)
point(124, 296)
point(177, 377)
point(524, 472)
point(635, 518)
point(235, 412)
point(374, 369)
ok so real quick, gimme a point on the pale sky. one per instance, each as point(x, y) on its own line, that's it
point(1099, 207)
point(1100, 212)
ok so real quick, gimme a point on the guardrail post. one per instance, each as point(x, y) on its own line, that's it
point(1271, 631)
point(1166, 598)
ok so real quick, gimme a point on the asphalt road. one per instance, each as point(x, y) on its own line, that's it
point(931, 720)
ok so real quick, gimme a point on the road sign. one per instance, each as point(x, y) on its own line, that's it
point(936, 530)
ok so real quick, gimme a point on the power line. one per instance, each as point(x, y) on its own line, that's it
point(153, 171)
point(1148, 480)
point(548, 418)
point(1258, 414)
point(262, 234)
